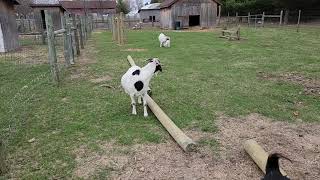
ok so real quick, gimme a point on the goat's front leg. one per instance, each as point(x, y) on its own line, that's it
point(133, 104)
point(145, 112)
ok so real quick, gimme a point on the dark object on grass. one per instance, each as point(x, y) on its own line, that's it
point(272, 168)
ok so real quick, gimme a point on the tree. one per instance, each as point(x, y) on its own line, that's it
point(139, 4)
point(23, 9)
point(122, 7)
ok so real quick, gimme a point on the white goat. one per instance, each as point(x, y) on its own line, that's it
point(136, 81)
point(164, 40)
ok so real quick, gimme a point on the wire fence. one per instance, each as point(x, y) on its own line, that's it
point(277, 19)
point(58, 49)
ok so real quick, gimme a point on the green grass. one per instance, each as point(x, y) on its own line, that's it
point(202, 76)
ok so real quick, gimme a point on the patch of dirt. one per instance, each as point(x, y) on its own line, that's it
point(311, 86)
point(299, 142)
point(101, 79)
point(134, 50)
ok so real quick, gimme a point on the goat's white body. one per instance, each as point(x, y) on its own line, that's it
point(164, 40)
point(128, 81)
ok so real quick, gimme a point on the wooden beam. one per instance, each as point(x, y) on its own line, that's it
point(183, 140)
point(258, 154)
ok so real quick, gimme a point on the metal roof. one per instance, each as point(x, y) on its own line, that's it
point(168, 3)
point(151, 6)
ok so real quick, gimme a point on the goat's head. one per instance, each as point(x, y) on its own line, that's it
point(157, 63)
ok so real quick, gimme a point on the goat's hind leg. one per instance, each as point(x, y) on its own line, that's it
point(145, 111)
point(133, 104)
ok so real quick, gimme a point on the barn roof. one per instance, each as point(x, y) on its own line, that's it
point(88, 4)
point(14, 2)
point(153, 6)
point(45, 3)
point(168, 3)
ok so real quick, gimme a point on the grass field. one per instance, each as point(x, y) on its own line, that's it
point(203, 76)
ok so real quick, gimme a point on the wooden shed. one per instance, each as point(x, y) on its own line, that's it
point(188, 13)
point(8, 26)
point(54, 8)
point(150, 12)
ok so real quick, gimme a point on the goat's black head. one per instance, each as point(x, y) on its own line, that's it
point(157, 62)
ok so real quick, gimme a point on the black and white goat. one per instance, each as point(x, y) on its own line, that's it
point(164, 40)
point(272, 168)
point(136, 81)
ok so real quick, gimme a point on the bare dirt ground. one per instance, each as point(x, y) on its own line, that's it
point(311, 86)
point(298, 141)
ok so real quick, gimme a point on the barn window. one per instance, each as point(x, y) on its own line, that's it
point(152, 18)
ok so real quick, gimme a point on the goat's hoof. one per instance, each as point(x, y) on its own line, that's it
point(134, 113)
point(145, 115)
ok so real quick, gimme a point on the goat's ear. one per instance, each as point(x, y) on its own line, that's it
point(149, 60)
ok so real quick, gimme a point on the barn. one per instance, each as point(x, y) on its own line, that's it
point(188, 13)
point(150, 12)
point(8, 26)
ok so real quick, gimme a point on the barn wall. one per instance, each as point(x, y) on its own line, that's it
point(9, 39)
point(144, 14)
point(166, 18)
point(181, 10)
point(56, 17)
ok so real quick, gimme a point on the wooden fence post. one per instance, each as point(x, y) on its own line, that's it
point(3, 164)
point(52, 49)
point(114, 28)
point(76, 36)
point(65, 41)
point(281, 15)
point(238, 21)
point(262, 23)
point(228, 19)
point(298, 24)
point(69, 39)
point(80, 28)
point(248, 18)
point(85, 28)
point(118, 30)
point(121, 29)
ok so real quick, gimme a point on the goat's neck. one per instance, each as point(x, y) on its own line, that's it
point(148, 71)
